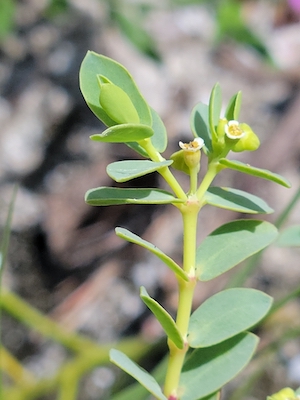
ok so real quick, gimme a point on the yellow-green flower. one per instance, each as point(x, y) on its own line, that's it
point(238, 136)
point(233, 130)
point(191, 152)
point(284, 394)
point(193, 146)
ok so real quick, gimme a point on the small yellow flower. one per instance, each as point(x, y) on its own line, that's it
point(191, 152)
point(193, 146)
point(233, 130)
point(283, 394)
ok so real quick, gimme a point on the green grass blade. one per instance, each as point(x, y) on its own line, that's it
point(3, 257)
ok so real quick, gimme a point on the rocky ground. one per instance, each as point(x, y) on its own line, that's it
point(64, 256)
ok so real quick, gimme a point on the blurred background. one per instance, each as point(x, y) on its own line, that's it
point(64, 257)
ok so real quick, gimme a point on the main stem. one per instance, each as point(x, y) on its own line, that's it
point(186, 292)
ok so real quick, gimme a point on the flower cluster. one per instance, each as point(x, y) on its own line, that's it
point(236, 136)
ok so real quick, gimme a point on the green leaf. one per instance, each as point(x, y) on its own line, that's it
point(95, 64)
point(200, 125)
point(164, 318)
point(106, 196)
point(261, 173)
point(179, 163)
point(236, 200)
point(123, 171)
point(136, 391)
point(132, 238)
point(7, 14)
point(159, 139)
point(214, 396)
point(215, 104)
point(231, 244)
point(209, 369)
point(227, 314)
point(139, 149)
point(117, 104)
point(142, 376)
point(123, 133)
point(290, 237)
point(234, 106)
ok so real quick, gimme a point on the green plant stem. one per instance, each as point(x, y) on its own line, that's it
point(75, 368)
point(31, 317)
point(3, 255)
point(165, 171)
point(283, 301)
point(68, 385)
point(14, 369)
point(193, 180)
point(213, 169)
point(186, 293)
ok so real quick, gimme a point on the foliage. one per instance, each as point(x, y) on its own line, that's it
point(217, 334)
point(210, 347)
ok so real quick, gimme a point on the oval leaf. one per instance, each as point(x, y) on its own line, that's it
point(138, 373)
point(95, 64)
point(234, 106)
point(260, 173)
point(200, 125)
point(230, 244)
point(105, 196)
point(227, 314)
point(123, 171)
point(123, 133)
point(236, 200)
point(290, 237)
point(163, 317)
point(139, 149)
point(131, 237)
point(160, 138)
point(209, 369)
point(136, 391)
point(179, 163)
point(215, 105)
